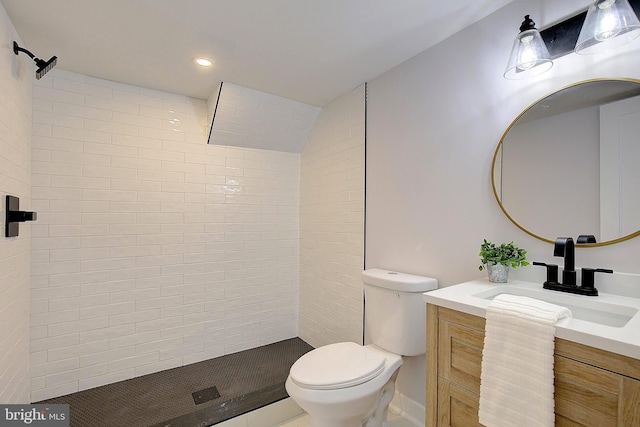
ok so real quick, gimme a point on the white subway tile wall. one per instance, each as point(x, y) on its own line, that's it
point(332, 224)
point(249, 118)
point(16, 74)
point(152, 248)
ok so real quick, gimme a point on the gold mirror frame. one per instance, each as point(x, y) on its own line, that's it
point(499, 146)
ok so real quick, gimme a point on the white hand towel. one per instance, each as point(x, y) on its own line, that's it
point(516, 381)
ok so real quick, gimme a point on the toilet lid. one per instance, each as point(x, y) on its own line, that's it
point(333, 366)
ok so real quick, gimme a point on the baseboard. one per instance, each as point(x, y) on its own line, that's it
point(409, 409)
point(271, 415)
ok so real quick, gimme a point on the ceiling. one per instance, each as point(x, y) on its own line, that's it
point(311, 51)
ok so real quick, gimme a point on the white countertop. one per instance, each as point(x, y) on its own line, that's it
point(584, 327)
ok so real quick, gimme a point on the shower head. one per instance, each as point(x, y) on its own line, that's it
point(43, 66)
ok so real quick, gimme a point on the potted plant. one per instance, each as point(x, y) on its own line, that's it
point(497, 259)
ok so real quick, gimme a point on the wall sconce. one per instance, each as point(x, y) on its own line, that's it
point(529, 55)
point(609, 24)
point(606, 25)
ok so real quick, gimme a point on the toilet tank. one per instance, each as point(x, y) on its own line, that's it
point(395, 312)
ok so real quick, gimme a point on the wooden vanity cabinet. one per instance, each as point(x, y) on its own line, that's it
point(592, 387)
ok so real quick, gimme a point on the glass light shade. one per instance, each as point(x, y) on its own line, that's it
point(609, 24)
point(529, 56)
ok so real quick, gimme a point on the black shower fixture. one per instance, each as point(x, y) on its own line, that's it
point(43, 66)
point(14, 216)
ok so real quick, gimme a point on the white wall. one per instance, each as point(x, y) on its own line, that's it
point(16, 74)
point(433, 124)
point(332, 224)
point(152, 249)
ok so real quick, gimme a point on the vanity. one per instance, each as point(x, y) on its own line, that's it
point(596, 357)
point(597, 350)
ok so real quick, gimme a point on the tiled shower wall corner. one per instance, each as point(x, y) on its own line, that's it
point(152, 249)
point(15, 179)
point(332, 224)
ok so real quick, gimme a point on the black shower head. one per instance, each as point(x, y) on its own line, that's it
point(43, 66)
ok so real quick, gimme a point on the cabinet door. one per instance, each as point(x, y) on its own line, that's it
point(585, 395)
point(460, 354)
point(589, 396)
point(457, 407)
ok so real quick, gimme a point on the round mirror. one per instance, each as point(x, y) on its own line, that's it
point(568, 164)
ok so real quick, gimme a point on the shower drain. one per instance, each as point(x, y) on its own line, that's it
point(205, 395)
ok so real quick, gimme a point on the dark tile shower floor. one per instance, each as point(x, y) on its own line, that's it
point(226, 386)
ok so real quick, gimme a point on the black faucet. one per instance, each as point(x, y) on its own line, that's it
point(565, 248)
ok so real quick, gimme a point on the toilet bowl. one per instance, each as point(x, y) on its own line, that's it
point(345, 384)
point(350, 385)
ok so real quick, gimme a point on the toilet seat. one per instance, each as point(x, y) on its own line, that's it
point(336, 366)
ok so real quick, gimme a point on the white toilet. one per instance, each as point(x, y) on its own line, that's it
point(349, 385)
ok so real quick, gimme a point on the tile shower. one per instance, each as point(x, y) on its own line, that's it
point(154, 250)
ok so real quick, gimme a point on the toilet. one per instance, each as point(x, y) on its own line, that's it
point(350, 385)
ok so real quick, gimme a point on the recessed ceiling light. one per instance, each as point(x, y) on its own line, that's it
point(203, 62)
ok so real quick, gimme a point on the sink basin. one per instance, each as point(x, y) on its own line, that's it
point(590, 309)
point(609, 321)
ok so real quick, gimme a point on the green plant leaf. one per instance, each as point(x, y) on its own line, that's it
point(505, 253)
